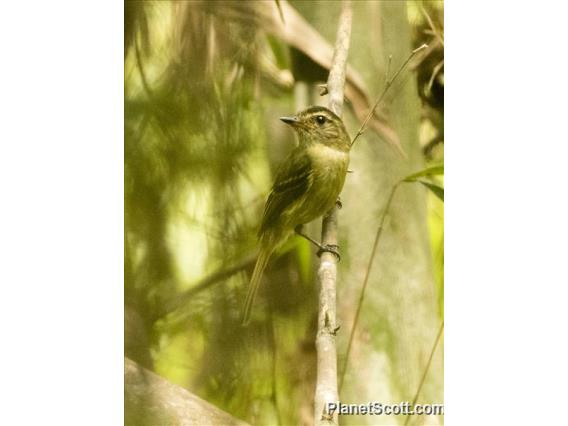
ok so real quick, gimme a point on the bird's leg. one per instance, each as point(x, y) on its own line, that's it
point(300, 231)
point(330, 248)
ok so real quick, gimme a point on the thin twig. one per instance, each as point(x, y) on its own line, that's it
point(388, 84)
point(365, 281)
point(435, 72)
point(415, 399)
point(432, 27)
point(326, 382)
point(433, 46)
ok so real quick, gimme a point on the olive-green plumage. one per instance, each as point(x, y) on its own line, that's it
point(306, 187)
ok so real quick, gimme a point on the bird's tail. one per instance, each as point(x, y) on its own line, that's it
point(255, 282)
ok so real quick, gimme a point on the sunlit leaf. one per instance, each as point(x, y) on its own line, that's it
point(430, 171)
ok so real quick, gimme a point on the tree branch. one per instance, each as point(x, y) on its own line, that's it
point(326, 384)
point(152, 400)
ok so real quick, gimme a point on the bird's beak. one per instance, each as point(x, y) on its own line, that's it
point(292, 121)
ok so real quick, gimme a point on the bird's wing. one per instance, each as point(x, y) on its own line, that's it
point(293, 179)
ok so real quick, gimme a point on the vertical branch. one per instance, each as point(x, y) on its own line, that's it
point(336, 79)
point(326, 384)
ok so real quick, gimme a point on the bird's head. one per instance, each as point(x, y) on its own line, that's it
point(318, 124)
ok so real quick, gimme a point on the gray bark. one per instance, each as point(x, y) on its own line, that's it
point(151, 400)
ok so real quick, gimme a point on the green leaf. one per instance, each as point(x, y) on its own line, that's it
point(436, 189)
point(430, 171)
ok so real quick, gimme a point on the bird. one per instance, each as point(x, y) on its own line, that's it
point(307, 185)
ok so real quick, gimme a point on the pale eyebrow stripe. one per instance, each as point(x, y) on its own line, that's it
point(323, 112)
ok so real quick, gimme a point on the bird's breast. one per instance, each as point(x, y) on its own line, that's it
point(329, 167)
point(327, 161)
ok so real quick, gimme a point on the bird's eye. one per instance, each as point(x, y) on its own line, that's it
point(320, 119)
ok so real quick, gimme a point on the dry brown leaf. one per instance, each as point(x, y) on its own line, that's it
point(297, 32)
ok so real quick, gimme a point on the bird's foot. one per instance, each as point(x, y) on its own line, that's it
point(329, 248)
point(338, 203)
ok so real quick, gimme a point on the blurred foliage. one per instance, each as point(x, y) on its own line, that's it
point(427, 20)
point(203, 89)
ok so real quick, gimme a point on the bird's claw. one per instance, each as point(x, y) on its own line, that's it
point(330, 248)
point(338, 203)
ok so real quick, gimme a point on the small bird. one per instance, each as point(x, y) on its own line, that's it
point(307, 186)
